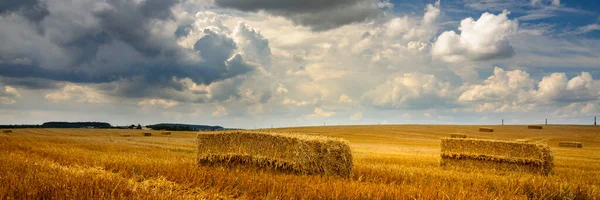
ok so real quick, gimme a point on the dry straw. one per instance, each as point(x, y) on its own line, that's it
point(496, 155)
point(486, 129)
point(147, 134)
point(166, 133)
point(534, 127)
point(7, 131)
point(458, 135)
point(294, 153)
point(570, 144)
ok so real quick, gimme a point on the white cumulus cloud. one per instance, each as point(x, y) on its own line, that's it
point(411, 90)
point(483, 39)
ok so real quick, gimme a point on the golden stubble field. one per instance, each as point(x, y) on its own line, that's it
point(390, 162)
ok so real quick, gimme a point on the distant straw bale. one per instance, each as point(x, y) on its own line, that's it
point(570, 144)
point(486, 129)
point(125, 135)
point(458, 135)
point(166, 133)
point(7, 131)
point(496, 155)
point(147, 134)
point(534, 127)
point(301, 154)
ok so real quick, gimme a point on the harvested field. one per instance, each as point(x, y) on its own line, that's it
point(125, 135)
point(485, 129)
point(7, 131)
point(458, 135)
point(389, 162)
point(496, 155)
point(147, 134)
point(301, 154)
point(534, 127)
point(166, 133)
point(570, 144)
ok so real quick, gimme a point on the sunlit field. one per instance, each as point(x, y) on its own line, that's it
point(390, 162)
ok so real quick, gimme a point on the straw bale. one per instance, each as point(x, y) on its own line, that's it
point(147, 134)
point(7, 131)
point(166, 133)
point(534, 127)
point(293, 153)
point(570, 144)
point(486, 129)
point(502, 155)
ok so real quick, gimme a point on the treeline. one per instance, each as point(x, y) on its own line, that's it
point(60, 125)
point(161, 126)
point(184, 127)
point(13, 126)
point(76, 125)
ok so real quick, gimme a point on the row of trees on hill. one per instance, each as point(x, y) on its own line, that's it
point(184, 127)
point(162, 126)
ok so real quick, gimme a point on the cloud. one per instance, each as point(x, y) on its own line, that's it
point(254, 45)
point(318, 15)
point(220, 111)
point(319, 112)
point(356, 116)
point(8, 95)
point(77, 93)
point(407, 29)
point(545, 2)
point(587, 28)
point(33, 10)
point(481, 40)
point(410, 91)
point(558, 88)
point(345, 99)
point(288, 101)
point(158, 102)
point(502, 84)
point(501, 92)
point(516, 91)
point(118, 41)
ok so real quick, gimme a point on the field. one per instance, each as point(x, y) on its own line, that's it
point(390, 162)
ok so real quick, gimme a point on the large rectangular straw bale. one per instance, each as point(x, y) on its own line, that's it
point(486, 129)
point(458, 135)
point(147, 134)
point(534, 127)
point(497, 155)
point(166, 133)
point(570, 144)
point(301, 154)
point(7, 131)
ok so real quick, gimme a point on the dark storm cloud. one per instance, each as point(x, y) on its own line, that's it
point(30, 83)
point(129, 23)
point(120, 44)
point(30, 9)
point(284, 6)
point(183, 30)
point(317, 14)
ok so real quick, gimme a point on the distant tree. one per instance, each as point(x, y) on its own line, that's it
point(132, 126)
point(139, 126)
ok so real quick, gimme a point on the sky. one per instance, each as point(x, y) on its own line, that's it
point(263, 63)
